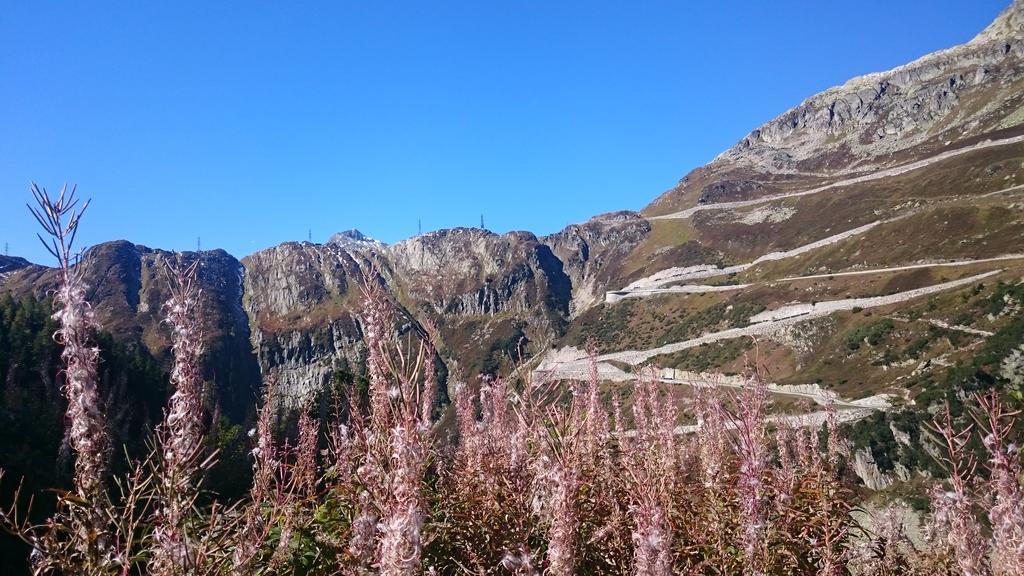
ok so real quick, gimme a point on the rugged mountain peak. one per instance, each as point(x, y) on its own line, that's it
point(885, 112)
point(460, 252)
point(457, 233)
point(354, 239)
point(11, 263)
point(612, 218)
point(1009, 24)
point(944, 99)
point(304, 303)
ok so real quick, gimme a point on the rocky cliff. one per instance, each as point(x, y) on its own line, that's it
point(957, 95)
point(127, 289)
point(304, 300)
point(593, 253)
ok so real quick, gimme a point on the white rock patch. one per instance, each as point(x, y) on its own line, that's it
point(766, 214)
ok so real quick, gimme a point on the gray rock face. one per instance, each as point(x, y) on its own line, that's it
point(294, 278)
point(1012, 367)
point(951, 94)
point(304, 301)
point(299, 299)
point(1007, 25)
point(867, 470)
point(466, 271)
point(302, 362)
point(593, 252)
point(953, 97)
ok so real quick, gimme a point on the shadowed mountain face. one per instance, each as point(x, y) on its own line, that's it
point(864, 187)
point(9, 264)
point(127, 289)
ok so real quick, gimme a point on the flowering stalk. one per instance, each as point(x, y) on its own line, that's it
point(87, 433)
point(401, 393)
point(1007, 510)
point(305, 474)
point(713, 449)
point(468, 453)
point(752, 451)
point(953, 511)
point(595, 428)
point(180, 435)
point(255, 524)
point(563, 479)
point(400, 546)
point(650, 463)
point(786, 474)
point(652, 540)
point(832, 510)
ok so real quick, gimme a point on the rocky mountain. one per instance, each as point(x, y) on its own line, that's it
point(955, 96)
point(9, 264)
point(593, 253)
point(866, 242)
point(128, 289)
point(303, 300)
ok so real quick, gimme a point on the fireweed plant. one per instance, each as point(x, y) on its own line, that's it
point(531, 476)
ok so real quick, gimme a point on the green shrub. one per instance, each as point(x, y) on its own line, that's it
point(872, 333)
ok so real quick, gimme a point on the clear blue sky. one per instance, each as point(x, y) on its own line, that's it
point(249, 124)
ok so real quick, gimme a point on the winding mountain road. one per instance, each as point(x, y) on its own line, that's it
point(953, 263)
point(770, 321)
point(886, 173)
point(653, 284)
point(808, 420)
